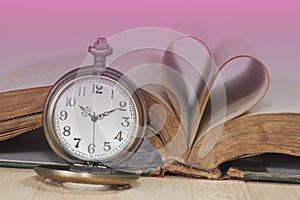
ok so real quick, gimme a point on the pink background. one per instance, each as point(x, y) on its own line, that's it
point(35, 30)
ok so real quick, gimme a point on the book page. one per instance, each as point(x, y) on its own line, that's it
point(283, 97)
point(189, 76)
point(39, 73)
point(246, 82)
point(186, 70)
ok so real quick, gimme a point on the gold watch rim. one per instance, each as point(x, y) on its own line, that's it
point(65, 175)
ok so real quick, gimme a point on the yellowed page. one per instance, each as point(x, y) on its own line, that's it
point(39, 73)
point(283, 97)
point(246, 82)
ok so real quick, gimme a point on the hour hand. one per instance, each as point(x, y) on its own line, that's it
point(106, 113)
point(86, 111)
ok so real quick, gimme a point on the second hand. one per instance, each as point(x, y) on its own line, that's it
point(94, 122)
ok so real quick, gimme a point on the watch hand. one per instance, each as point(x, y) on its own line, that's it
point(86, 111)
point(106, 113)
point(94, 122)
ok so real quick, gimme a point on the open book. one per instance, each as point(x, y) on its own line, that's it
point(198, 127)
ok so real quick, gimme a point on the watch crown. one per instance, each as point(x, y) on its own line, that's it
point(100, 50)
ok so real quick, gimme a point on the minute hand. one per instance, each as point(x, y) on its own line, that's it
point(106, 113)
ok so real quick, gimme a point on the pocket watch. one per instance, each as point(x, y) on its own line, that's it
point(94, 118)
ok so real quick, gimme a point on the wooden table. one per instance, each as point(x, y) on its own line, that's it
point(25, 184)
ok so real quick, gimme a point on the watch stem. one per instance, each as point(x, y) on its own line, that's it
point(100, 50)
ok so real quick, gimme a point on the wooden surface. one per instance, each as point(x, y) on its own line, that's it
point(25, 184)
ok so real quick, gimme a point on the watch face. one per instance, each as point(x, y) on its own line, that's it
point(94, 119)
